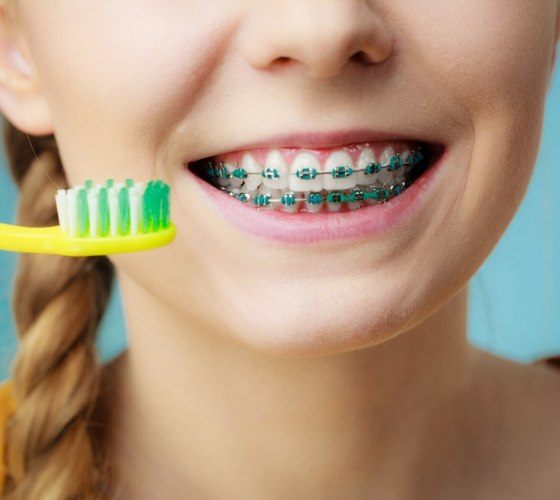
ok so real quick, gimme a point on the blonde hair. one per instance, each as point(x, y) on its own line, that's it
point(51, 449)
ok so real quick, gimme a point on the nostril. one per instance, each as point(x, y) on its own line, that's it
point(282, 61)
point(357, 56)
point(361, 57)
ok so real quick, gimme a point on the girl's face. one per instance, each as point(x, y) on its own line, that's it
point(139, 88)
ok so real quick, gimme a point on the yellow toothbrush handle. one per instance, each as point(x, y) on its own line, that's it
point(51, 240)
point(28, 239)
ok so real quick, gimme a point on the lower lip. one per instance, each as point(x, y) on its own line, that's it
point(305, 227)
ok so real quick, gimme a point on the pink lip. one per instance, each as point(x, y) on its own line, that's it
point(303, 227)
point(323, 140)
point(319, 140)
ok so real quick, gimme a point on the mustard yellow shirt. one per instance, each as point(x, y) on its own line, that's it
point(7, 406)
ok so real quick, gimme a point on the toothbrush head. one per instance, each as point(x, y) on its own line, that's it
point(115, 217)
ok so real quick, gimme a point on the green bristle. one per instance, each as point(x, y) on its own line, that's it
point(153, 204)
point(83, 213)
point(124, 212)
point(103, 212)
point(165, 206)
point(147, 207)
point(156, 206)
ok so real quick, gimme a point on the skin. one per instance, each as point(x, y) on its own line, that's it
point(341, 370)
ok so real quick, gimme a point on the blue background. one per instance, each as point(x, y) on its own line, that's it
point(514, 304)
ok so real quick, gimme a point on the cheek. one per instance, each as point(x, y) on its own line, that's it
point(120, 78)
point(485, 51)
point(491, 59)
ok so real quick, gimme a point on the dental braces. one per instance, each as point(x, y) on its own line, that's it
point(309, 173)
point(356, 195)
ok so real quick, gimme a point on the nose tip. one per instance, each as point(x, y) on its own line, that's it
point(323, 36)
point(326, 53)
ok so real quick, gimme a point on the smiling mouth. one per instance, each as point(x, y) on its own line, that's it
point(338, 179)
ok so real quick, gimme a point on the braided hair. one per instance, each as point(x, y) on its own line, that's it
point(56, 374)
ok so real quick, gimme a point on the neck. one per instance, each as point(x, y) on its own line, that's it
point(199, 412)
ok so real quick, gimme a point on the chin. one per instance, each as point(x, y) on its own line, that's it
point(307, 324)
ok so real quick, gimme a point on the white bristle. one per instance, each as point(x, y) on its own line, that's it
point(92, 208)
point(140, 187)
point(72, 212)
point(67, 208)
point(62, 209)
point(113, 210)
point(133, 201)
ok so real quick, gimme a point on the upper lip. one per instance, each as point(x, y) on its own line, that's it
point(321, 140)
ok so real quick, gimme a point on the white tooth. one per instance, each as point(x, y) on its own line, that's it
point(221, 181)
point(306, 162)
point(313, 207)
point(236, 192)
point(385, 176)
point(234, 182)
point(338, 159)
point(275, 160)
point(334, 207)
point(399, 173)
point(369, 201)
point(252, 181)
point(405, 156)
point(290, 208)
point(367, 157)
point(273, 193)
point(356, 204)
point(264, 189)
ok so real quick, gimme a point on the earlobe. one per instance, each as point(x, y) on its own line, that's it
point(21, 98)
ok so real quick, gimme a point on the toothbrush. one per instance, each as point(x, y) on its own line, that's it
point(104, 219)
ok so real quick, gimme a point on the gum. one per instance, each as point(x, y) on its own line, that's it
point(289, 154)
